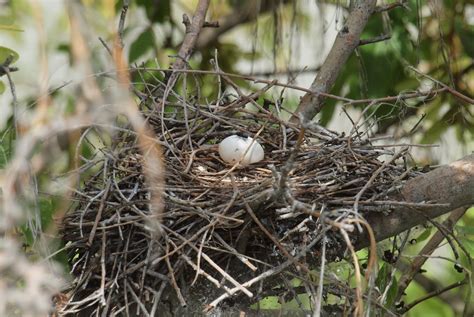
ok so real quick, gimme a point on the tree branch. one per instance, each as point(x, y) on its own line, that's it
point(427, 250)
point(452, 184)
point(346, 41)
point(193, 28)
point(431, 295)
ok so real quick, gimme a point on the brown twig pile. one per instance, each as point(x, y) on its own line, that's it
point(266, 216)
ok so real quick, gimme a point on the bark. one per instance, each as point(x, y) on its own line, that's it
point(193, 28)
point(452, 184)
point(346, 41)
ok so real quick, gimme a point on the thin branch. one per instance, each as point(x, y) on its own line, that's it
point(348, 101)
point(212, 24)
point(319, 296)
point(381, 38)
point(359, 310)
point(428, 249)
point(123, 15)
point(390, 6)
point(431, 295)
point(454, 92)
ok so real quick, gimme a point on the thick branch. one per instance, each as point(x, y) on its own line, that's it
point(346, 41)
point(452, 184)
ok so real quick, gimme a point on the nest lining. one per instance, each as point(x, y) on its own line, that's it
point(118, 263)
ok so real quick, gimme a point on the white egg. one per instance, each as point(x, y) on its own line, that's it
point(233, 148)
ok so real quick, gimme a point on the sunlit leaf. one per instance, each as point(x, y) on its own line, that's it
point(6, 52)
point(424, 235)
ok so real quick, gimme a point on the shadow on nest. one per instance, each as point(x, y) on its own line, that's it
point(225, 230)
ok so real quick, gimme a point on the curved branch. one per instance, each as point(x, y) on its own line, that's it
point(451, 184)
point(346, 41)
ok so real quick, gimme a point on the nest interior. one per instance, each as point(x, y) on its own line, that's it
point(230, 226)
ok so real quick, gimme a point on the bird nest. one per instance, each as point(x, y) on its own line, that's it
point(227, 227)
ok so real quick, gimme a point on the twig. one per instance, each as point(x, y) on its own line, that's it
point(390, 6)
point(431, 295)
point(5, 69)
point(172, 277)
point(123, 15)
point(375, 175)
point(319, 296)
point(428, 249)
point(348, 101)
point(359, 310)
point(102, 266)
point(269, 272)
point(99, 213)
point(454, 92)
point(376, 39)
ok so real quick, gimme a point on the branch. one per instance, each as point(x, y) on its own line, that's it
point(346, 41)
point(428, 249)
point(451, 184)
point(193, 29)
point(431, 295)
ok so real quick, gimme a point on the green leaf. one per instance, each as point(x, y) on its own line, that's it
point(5, 52)
point(383, 280)
point(392, 293)
point(383, 276)
point(424, 235)
point(144, 43)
